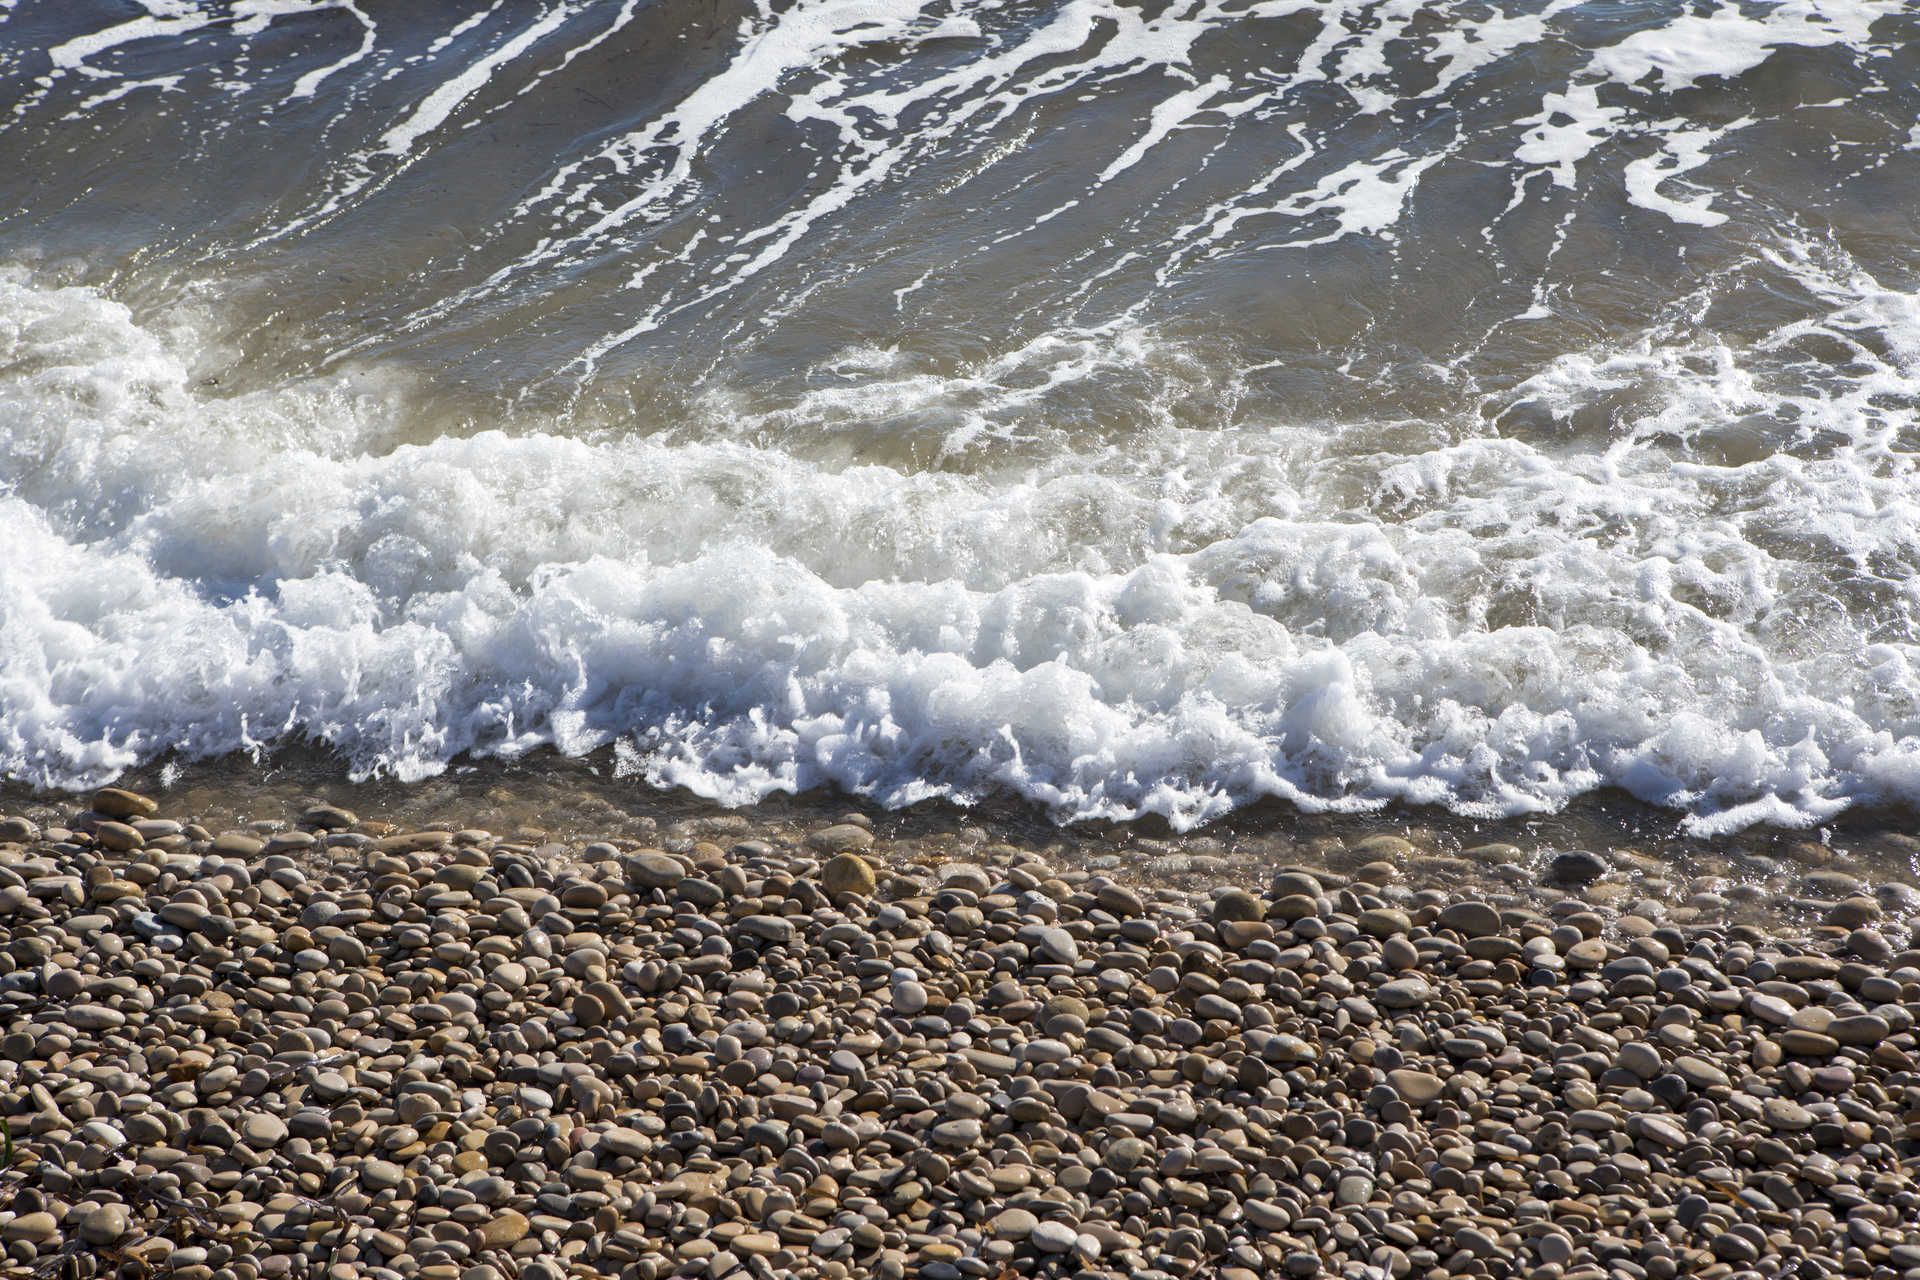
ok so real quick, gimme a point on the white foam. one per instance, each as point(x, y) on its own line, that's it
point(438, 105)
point(1066, 570)
point(1178, 624)
point(162, 18)
point(1722, 43)
point(1681, 151)
point(1730, 40)
point(1566, 131)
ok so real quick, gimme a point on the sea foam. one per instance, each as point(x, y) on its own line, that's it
point(1190, 619)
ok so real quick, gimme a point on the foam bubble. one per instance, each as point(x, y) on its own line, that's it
point(1177, 627)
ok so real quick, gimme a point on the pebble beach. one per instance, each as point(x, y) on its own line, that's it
point(327, 1046)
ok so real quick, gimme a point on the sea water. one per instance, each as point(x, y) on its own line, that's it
point(1117, 409)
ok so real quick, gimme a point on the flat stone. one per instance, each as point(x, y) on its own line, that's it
point(117, 803)
point(37, 1228)
point(1057, 945)
point(1417, 1088)
point(262, 1131)
point(757, 1243)
point(118, 837)
point(381, 1175)
point(1473, 919)
point(1806, 968)
point(1699, 1073)
point(505, 1229)
point(1352, 1189)
point(1053, 1237)
point(1574, 868)
point(844, 837)
point(1384, 922)
point(653, 871)
point(1807, 1044)
point(1013, 1224)
point(1404, 993)
point(771, 928)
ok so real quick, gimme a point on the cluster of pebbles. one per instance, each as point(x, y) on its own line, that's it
point(342, 1050)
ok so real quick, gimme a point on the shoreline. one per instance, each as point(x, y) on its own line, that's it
point(1763, 874)
point(812, 1049)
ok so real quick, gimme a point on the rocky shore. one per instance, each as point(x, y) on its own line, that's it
point(326, 1047)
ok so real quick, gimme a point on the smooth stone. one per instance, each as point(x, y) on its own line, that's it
point(1057, 945)
point(381, 1175)
point(843, 837)
point(1472, 919)
point(505, 1229)
point(1699, 1073)
point(777, 929)
point(1353, 1189)
point(1384, 922)
point(1238, 905)
point(1807, 1044)
point(1417, 1087)
point(262, 1131)
point(1053, 1237)
point(115, 802)
point(1574, 868)
point(848, 873)
point(106, 1225)
point(118, 837)
point(1404, 993)
point(654, 871)
point(37, 1227)
point(1013, 1224)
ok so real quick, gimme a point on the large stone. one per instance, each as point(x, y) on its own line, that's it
point(118, 837)
point(847, 873)
point(113, 802)
point(842, 838)
point(1053, 1237)
point(105, 1225)
point(1238, 904)
point(381, 1175)
point(1404, 993)
point(653, 870)
point(1575, 867)
point(767, 928)
point(505, 1229)
point(1473, 919)
point(1417, 1088)
point(1384, 922)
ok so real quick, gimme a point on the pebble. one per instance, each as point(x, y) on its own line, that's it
point(1053, 1237)
point(697, 1051)
point(1237, 905)
point(848, 873)
point(1417, 1087)
point(1575, 867)
point(1473, 919)
point(105, 1225)
point(1404, 993)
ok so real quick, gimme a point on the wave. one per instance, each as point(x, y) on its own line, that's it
point(1710, 605)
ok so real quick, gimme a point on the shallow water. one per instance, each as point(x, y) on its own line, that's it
point(1116, 410)
point(559, 805)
